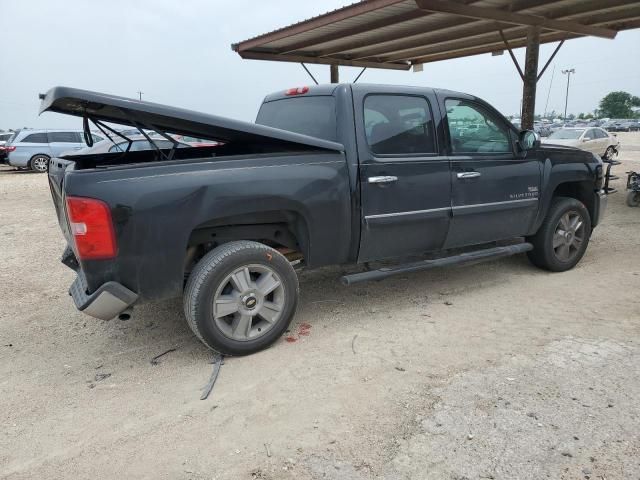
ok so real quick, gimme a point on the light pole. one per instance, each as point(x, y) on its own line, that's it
point(568, 73)
point(140, 94)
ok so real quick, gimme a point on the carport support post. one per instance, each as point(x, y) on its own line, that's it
point(530, 77)
point(335, 78)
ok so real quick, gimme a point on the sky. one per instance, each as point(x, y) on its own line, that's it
point(179, 53)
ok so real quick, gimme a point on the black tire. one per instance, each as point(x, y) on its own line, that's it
point(39, 163)
point(633, 198)
point(206, 285)
point(544, 255)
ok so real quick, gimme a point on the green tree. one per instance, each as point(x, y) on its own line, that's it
point(618, 105)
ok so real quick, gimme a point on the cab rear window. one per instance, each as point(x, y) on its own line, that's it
point(313, 116)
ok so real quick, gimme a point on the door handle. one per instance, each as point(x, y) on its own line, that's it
point(383, 179)
point(469, 174)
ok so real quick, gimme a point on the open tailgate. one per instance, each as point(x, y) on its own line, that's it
point(154, 116)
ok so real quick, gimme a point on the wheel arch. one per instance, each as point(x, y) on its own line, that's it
point(38, 155)
point(280, 229)
point(582, 190)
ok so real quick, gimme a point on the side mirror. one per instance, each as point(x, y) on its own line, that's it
point(529, 140)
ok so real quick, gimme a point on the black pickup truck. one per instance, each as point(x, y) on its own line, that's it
point(330, 174)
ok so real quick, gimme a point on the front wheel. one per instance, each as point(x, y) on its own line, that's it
point(241, 297)
point(563, 237)
point(39, 163)
point(633, 198)
point(609, 153)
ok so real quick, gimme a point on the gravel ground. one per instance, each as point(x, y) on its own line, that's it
point(497, 370)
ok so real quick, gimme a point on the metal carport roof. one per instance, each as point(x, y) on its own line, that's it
point(396, 34)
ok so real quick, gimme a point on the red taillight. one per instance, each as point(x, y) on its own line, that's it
point(8, 149)
point(91, 227)
point(297, 91)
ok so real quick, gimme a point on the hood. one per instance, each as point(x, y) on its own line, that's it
point(155, 116)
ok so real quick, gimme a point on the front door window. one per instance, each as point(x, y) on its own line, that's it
point(473, 130)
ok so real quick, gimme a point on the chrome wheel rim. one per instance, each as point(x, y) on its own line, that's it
point(568, 236)
point(40, 164)
point(249, 302)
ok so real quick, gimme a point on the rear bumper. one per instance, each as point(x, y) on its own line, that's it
point(107, 302)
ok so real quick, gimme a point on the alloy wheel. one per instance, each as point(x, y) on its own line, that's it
point(249, 302)
point(40, 164)
point(569, 236)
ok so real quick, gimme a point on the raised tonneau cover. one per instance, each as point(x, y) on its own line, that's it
point(136, 113)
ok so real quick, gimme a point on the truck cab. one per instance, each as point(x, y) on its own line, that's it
point(433, 169)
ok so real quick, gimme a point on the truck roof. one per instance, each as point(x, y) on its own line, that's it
point(330, 88)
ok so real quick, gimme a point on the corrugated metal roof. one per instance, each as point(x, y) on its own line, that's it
point(398, 33)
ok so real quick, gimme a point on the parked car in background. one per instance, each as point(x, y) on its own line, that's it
point(542, 129)
point(4, 137)
point(32, 149)
point(196, 142)
point(138, 143)
point(629, 126)
point(595, 140)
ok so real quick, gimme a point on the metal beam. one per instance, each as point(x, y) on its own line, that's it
point(479, 40)
point(488, 48)
point(459, 27)
point(460, 43)
point(322, 61)
point(513, 57)
point(350, 31)
point(465, 50)
point(546, 65)
point(371, 43)
point(530, 78)
point(320, 21)
point(359, 75)
point(444, 25)
point(310, 74)
point(484, 13)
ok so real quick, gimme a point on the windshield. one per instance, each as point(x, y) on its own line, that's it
point(313, 116)
point(5, 136)
point(566, 134)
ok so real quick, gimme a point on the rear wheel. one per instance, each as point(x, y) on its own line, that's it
point(241, 297)
point(563, 237)
point(39, 163)
point(633, 198)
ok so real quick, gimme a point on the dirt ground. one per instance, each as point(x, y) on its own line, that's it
point(495, 371)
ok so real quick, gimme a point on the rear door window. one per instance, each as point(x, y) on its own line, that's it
point(64, 137)
point(35, 138)
point(399, 125)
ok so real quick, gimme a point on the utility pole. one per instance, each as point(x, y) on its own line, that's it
point(568, 73)
point(140, 94)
